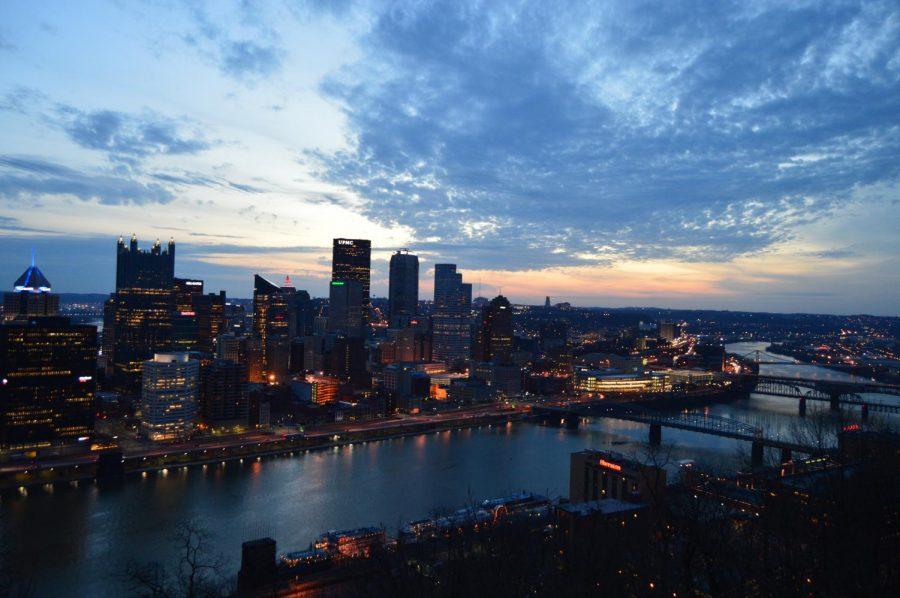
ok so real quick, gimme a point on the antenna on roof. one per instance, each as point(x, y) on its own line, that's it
point(32, 257)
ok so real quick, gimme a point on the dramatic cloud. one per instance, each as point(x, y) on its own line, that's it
point(129, 138)
point(634, 131)
point(24, 178)
point(737, 153)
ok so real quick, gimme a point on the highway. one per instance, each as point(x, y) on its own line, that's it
point(260, 439)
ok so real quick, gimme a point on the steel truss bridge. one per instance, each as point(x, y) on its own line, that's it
point(570, 414)
point(762, 358)
point(836, 393)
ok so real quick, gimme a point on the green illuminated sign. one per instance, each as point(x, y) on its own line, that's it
point(337, 283)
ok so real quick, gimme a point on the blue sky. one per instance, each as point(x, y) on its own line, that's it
point(687, 154)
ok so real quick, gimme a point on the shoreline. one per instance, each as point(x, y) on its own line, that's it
point(134, 465)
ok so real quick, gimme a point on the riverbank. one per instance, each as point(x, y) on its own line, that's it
point(112, 466)
point(870, 372)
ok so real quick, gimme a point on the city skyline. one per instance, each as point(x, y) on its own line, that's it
point(741, 157)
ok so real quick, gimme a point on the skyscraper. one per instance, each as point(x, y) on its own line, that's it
point(345, 308)
point(403, 293)
point(272, 325)
point(451, 318)
point(136, 268)
point(169, 396)
point(185, 291)
point(138, 316)
point(209, 309)
point(224, 402)
point(31, 296)
point(495, 335)
point(198, 318)
point(304, 313)
point(47, 367)
point(351, 259)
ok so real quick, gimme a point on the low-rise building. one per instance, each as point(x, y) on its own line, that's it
point(598, 381)
point(597, 475)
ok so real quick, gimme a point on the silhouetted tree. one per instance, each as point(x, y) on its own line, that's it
point(196, 574)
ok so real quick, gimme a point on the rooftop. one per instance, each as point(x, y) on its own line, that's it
point(32, 281)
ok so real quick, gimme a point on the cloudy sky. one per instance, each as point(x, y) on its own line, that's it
point(678, 154)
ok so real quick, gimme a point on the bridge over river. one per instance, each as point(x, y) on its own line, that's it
point(837, 393)
point(570, 415)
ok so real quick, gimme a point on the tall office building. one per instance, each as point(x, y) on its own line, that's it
point(232, 346)
point(345, 308)
point(198, 318)
point(300, 308)
point(169, 396)
point(451, 316)
point(47, 367)
point(185, 290)
point(184, 331)
point(413, 344)
point(347, 360)
point(224, 401)
point(31, 296)
point(351, 259)
point(209, 309)
point(304, 313)
point(272, 306)
point(138, 316)
point(495, 335)
point(403, 292)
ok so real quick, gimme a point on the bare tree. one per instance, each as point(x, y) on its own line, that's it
point(196, 574)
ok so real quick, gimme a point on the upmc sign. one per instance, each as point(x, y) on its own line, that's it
point(344, 242)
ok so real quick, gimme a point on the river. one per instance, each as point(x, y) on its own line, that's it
point(78, 538)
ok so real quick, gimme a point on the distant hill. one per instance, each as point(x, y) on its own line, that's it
point(66, 298)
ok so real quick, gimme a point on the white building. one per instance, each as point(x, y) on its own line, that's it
point(169, 395)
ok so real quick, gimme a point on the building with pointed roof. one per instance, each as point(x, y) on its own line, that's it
point(31, 296)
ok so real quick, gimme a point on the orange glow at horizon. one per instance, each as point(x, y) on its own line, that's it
point(582, 285)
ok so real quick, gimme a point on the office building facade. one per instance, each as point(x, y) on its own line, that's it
point(47, 367)
point(351, 259)
point(403, 290)
point(346, 308)
point(272, 320)
point(170, 389)
point(138, 316)
point(451, 316)
point(495, 334)
point(224, 401)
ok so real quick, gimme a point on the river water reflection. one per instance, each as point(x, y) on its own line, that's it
point(78, 538)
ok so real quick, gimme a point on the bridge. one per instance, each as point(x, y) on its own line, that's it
point(762, 358)
point(571, 413)
point(836, 392)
